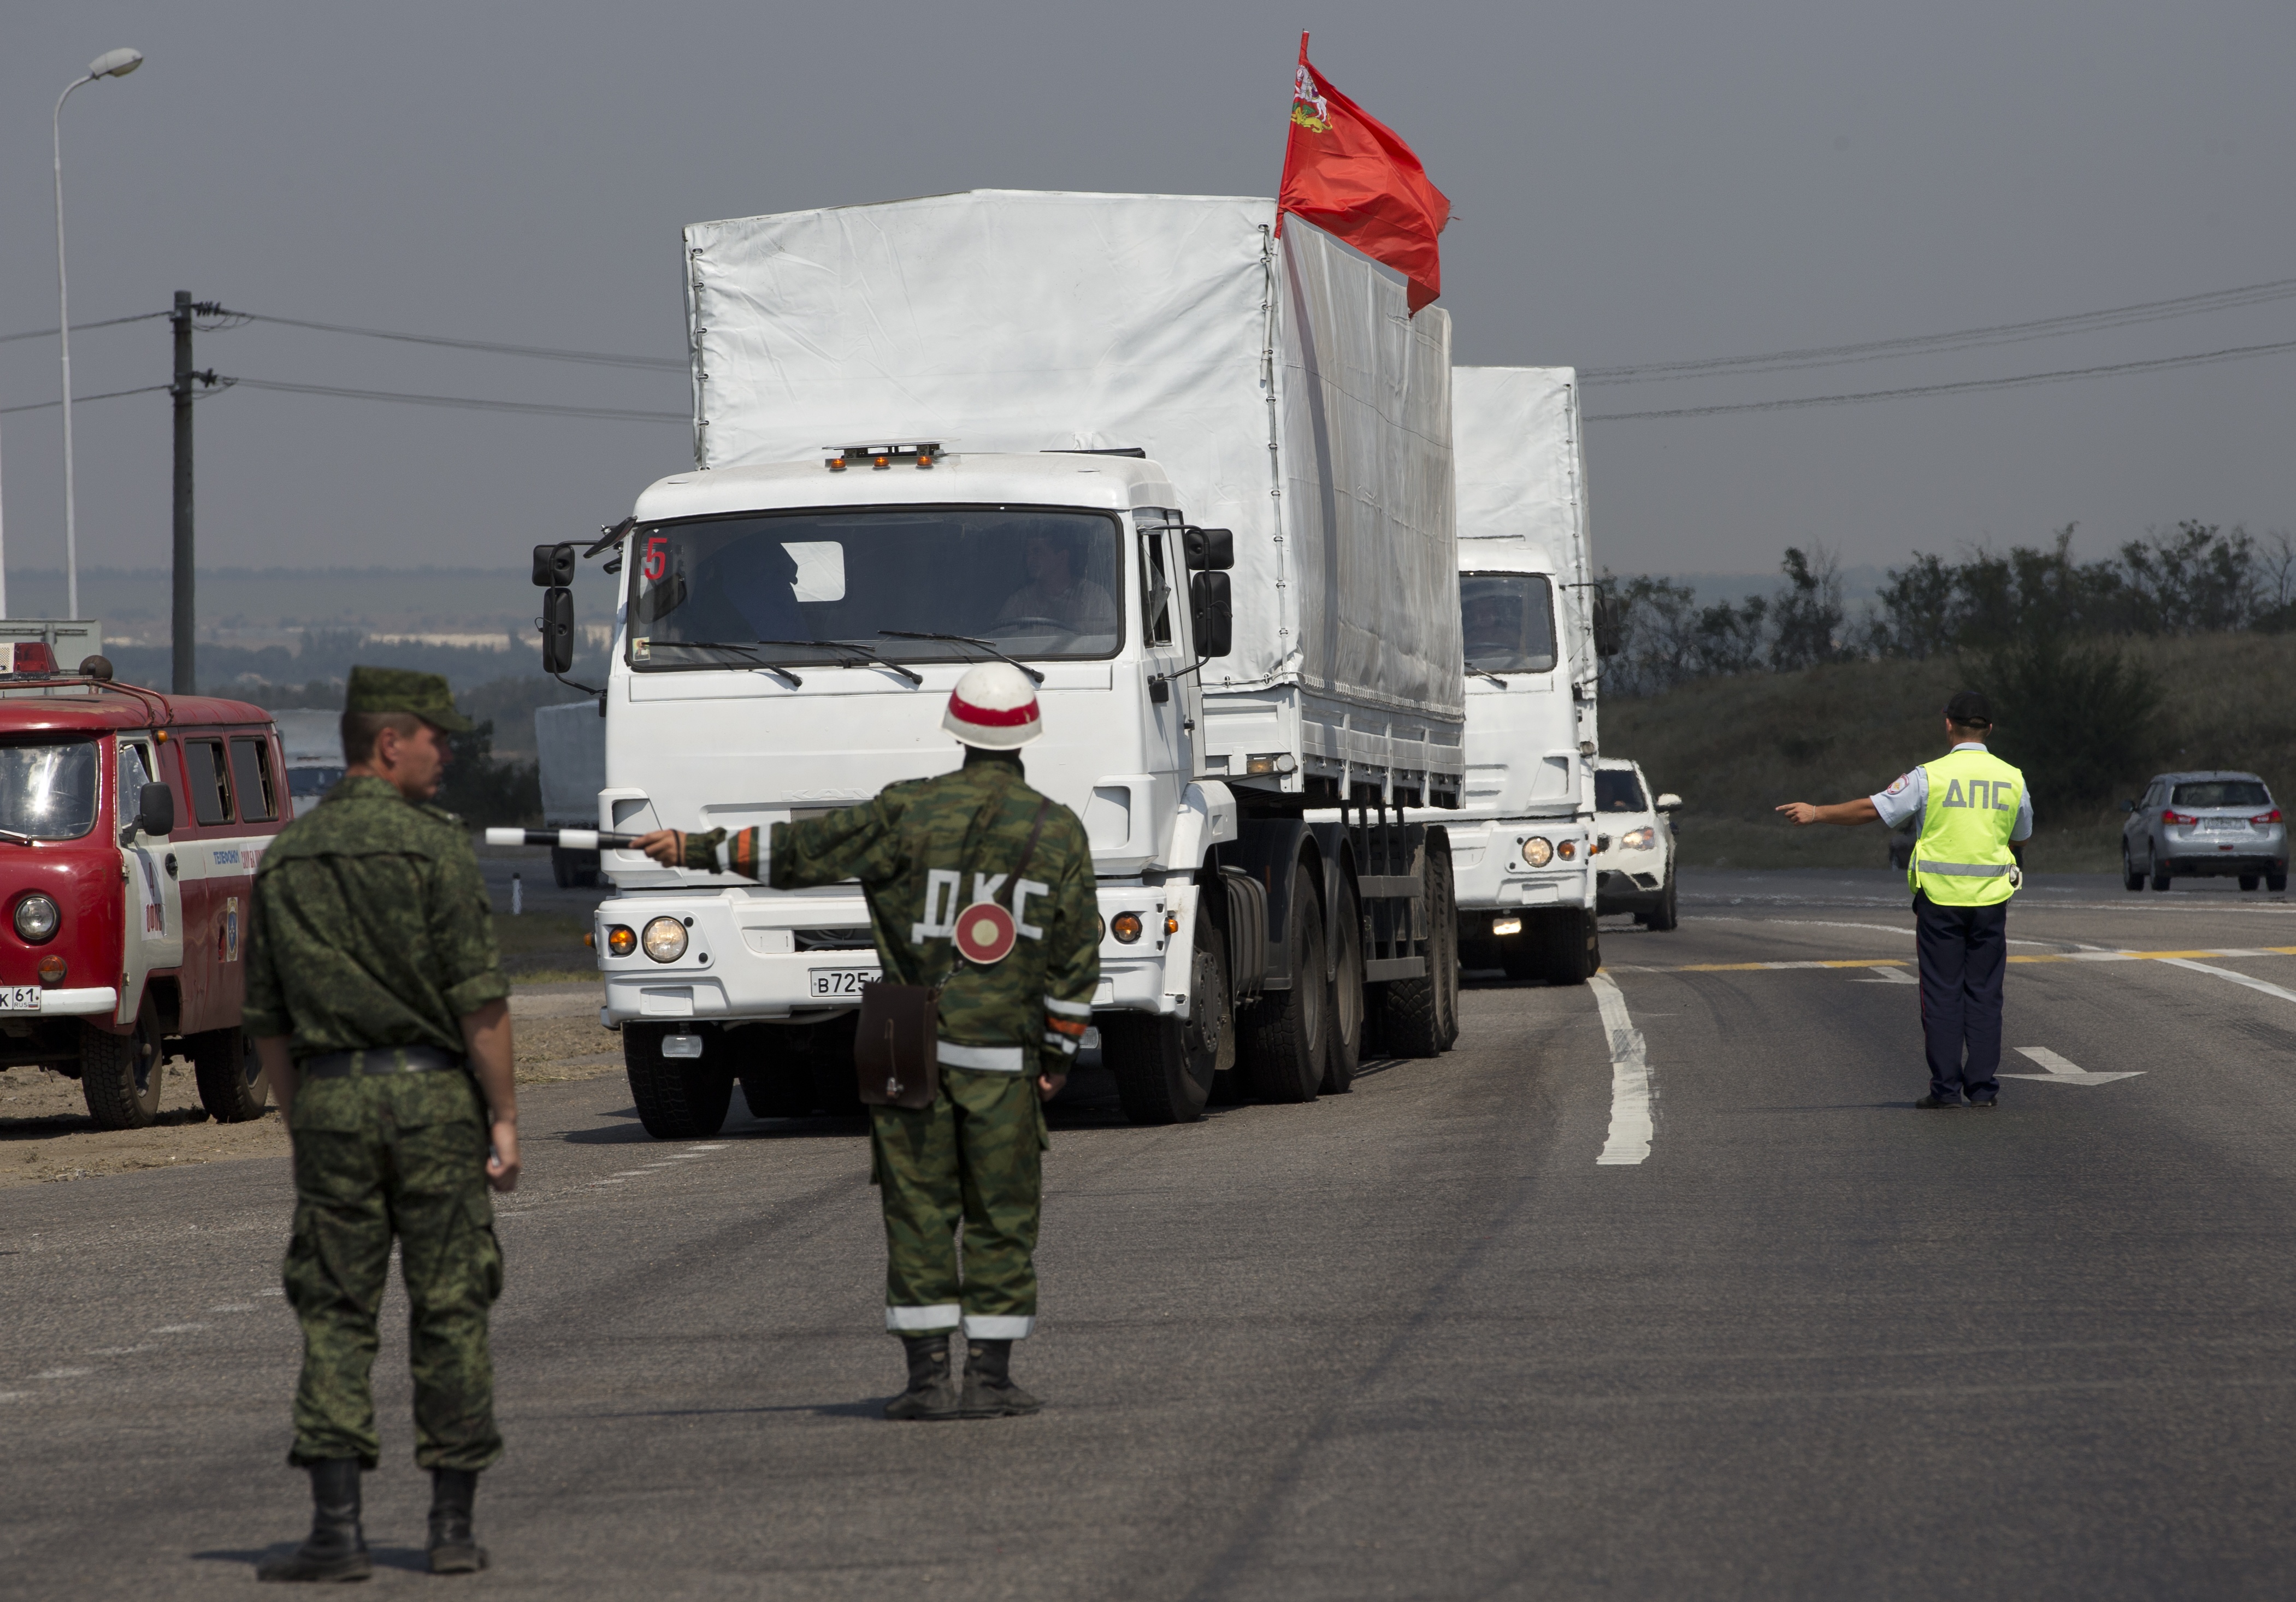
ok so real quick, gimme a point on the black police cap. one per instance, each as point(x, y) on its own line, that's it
point(1968, 707)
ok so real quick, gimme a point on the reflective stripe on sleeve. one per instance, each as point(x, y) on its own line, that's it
point(986, 1059)
point(1004, 1327)
point(1067, 1046)
point(920, 1320)
point(1964, 869)
point(1080, 1009)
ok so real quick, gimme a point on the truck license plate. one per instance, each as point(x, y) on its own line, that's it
point(843, 981)
point(20, 998)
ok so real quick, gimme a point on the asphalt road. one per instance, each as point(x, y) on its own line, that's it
point(1792, 1339)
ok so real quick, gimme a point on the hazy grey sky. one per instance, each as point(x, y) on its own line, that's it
point(1633, 183)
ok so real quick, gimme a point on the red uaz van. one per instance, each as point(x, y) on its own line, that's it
point(131, 823)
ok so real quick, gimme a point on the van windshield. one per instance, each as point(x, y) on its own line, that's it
point(2222, 792)
point(1508, 622)
point(47, 790)
point(795, 587)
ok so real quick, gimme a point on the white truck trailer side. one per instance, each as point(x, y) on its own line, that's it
point(1196, 478)
point(1524, 842)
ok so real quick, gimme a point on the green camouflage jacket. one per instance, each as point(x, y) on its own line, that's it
point(369, 928)
point(908, 848)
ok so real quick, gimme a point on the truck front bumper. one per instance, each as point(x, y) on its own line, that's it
point(796, 956)
point(1489, 872)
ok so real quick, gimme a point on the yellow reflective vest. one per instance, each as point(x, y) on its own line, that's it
point(1963, 857)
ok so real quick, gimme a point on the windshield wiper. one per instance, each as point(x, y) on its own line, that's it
point(857, 652)
point(1487, 673)
point(795, 682)
point(13, 838)
point(902, 633)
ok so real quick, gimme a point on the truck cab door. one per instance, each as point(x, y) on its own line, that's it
point(1175, 705)
point(151, 920)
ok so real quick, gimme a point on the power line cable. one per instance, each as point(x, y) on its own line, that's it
point(50, 333)
point(531, 408)
point(2005, 333)
point(1971, 385)
point(81, 399)
point(539, 352)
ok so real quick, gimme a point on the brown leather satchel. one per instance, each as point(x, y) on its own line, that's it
point(897, 1048)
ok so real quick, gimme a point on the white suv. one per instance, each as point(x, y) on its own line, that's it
point(1635, 871)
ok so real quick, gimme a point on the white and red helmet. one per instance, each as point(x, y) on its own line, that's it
point(993, 706)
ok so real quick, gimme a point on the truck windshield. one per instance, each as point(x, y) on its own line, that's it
point(1032, 583)
point(48, 790)
point(1509, 622)
point(2222, 792)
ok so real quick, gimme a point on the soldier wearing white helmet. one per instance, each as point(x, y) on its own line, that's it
point(981, 887)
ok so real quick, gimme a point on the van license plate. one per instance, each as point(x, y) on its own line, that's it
point(20, 998)
point(843, 981)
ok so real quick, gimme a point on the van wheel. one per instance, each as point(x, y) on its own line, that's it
point(1286, 1041)
point(678, 1097)
point(120, 1074)
point(231, 1085)
point(1164, 1065)
point(1346, 1001)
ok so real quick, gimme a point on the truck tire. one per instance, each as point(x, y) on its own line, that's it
point(1446, 890)
point(678, 1097)
point(775, 1068)
point(1164, 1065)
point(1412, 1012)
point(1287, 1038)
point(120, 1075)
point(836, 1090)
point(231, 1085)
point(1573, 947)
point(1345, 1004)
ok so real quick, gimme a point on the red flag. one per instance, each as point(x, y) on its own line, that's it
point(1347, 173)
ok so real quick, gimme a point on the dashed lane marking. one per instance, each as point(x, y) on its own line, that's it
point(2184, 960)
point(1631, 1129)
point(177, 1328)
point(2061, 1071)
point(2179, 958)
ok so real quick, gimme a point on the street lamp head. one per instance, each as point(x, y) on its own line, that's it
point(115, 63)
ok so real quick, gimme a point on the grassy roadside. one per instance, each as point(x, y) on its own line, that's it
point(1734, 749)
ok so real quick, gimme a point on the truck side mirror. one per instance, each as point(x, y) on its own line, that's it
point(1209, 549)
point(155, 810)
point(553, 567)
point(557, 625)
point(1212, 614)
point(1607, 626)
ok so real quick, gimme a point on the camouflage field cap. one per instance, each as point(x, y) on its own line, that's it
point(426, 695)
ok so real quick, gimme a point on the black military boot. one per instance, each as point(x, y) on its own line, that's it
point(990, 1392)
point(932, 1388)
point(454, 1550)
point(335, 1549)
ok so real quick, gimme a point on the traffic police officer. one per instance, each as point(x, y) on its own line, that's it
point(378, 1005)
point(1009, 1025)
point(1974, 808)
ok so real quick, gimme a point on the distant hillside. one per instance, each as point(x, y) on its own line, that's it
point(1735, 747)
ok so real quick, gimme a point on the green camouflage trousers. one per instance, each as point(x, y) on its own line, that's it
point(379, 1155)
point(974, 1156)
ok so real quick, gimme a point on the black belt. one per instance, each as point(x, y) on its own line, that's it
point(380, 1060)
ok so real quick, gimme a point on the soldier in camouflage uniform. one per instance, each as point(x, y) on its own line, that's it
point(1008, 1026)
point(378, 1005)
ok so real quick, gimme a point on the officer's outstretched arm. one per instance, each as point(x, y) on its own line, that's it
point(1861, 811)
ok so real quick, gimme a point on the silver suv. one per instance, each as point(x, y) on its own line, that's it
point(2204, 826)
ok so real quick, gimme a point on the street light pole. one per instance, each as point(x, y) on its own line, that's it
point(111, 63)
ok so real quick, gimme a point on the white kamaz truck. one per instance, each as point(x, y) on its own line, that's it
point(1524, 843)
point(1196, 479)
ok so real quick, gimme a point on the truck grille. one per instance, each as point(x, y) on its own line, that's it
point(825, 940)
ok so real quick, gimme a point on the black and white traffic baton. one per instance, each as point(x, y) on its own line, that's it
point(564, 839)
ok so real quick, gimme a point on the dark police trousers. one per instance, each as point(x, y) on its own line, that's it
point(1962, 949)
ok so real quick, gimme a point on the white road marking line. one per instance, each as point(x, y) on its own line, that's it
point(274, 1292)
point(1885, 976)
point(631, 1173)
point(234, 1307)
point(177, 1328)
point(63, 1374)
point(121, 1350)
point(2226, 973)
point(1630, 1140)
point(2063, 1072)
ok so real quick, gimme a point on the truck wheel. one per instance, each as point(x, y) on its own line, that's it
point(120, 1074)
point(1441, 884)
point(678, 1097)
point(1573, 949)
point(1164, 1065)
point(1287, 1040)
point(231, 1085)
point(1663, 916)
point(836, 1087)
point(1345, 1004)
point(1413, 1017)
point(775, 1068)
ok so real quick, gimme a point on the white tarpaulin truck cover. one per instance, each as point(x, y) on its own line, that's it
point(1522, 470)
point(1281, 384)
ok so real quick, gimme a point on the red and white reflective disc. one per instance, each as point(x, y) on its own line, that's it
point(984, 933)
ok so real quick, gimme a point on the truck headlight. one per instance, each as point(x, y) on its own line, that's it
point(1537, 851)
point(36, 917)
point(665, 939)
